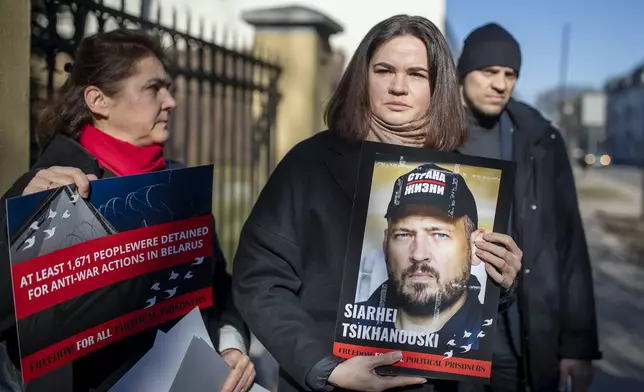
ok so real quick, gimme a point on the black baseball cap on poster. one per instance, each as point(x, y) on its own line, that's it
point(431, 185)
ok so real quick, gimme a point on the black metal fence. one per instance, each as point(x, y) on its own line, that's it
point(226, 99)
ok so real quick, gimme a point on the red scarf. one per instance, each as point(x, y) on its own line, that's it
point(119, 157)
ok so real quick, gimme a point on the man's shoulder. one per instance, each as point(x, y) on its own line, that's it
point(530, 120)
point(526, 115)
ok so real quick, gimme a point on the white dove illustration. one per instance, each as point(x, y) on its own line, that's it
point(50, 232)
point(172, 292)
point(451, 343)
point(449, 354)
point(66, 214)
point(481, 334)
point(74, 198)
point(467, 334)
point(466, 348)
point(487, 323)
point(34, 226)
point(52, 214)
point(151, 302)
point(30, 242)
point(173, 275)
point(198, 260)
point(155, 287)
point(188, 275)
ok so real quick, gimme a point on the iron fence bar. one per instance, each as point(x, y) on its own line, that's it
point(200, 103)
point(234, 169)
point(121, 14)
point(188, 89)
point(50, 55)
point(213, 108)
point(258, 129)
point(175, 121)
point(241, 175)
point(223, 61)
point(221, 79)
point(213, 142)
point(272, 110)
point(238, 80)
point(247, 145)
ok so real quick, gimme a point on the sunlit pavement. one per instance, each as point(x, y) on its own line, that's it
point(618, 277)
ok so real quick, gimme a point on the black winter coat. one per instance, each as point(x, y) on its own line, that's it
point(288, 269)
point(93, 369)
point(556, 297)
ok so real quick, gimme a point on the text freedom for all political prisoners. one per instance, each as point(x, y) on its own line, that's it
point(81, 267)
point(113, 329)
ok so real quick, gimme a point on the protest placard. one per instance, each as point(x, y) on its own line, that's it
point(87, 273)
point(412, 281)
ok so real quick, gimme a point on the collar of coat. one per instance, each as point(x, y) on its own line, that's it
point(529, 122)
point(64, 151)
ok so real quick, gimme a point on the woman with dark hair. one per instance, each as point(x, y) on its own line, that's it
point(400, 87)
point(111, 119)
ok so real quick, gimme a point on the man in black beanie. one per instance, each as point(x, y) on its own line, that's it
point(548, 338)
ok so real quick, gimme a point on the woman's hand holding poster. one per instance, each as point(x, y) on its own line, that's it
point(88, 273)
point(412, 279)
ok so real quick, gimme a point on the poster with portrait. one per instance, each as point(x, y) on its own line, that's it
point(412, 281)
point(90, 272)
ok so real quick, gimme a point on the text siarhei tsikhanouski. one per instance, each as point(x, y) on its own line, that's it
point(412, 281)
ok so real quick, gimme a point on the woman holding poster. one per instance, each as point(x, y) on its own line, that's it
point(400, 88)
point(110, 119)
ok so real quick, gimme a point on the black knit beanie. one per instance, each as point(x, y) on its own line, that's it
point(487, 46)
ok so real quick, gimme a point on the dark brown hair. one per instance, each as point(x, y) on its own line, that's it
point(348, 112)
point(103, 60)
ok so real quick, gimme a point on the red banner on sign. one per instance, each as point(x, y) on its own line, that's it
point(54, 356)
point(421, 361)
point(59, 276)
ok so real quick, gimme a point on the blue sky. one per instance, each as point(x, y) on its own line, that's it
point(606, 37)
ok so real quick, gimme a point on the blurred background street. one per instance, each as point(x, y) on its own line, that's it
point(611, 201)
